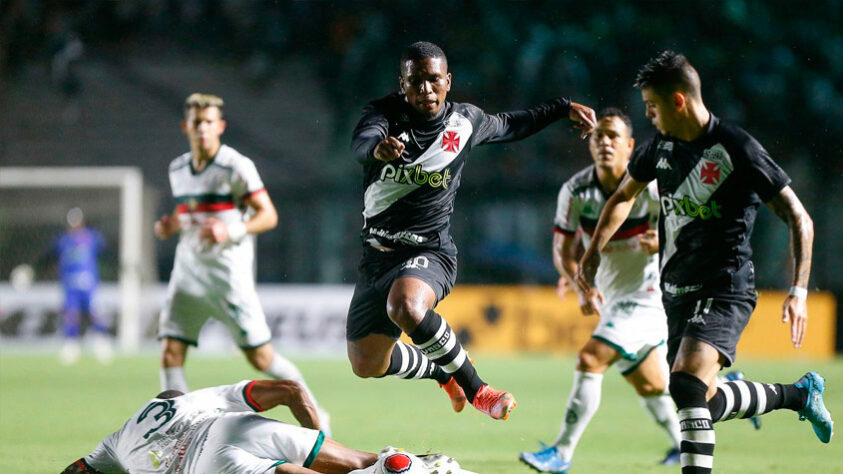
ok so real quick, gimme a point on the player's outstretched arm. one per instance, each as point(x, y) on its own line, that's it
point(787, 206)
point(271, 393)
point(615, 212)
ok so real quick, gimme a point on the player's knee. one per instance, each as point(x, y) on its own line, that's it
point(588, 362)
point(405, 310)
point(172, 356)
point(260, 358)
point(687, 390)
point(649, 389)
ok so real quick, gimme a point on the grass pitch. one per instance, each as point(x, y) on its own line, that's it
point(51, 415)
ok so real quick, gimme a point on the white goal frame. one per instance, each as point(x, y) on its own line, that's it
point(129, 180)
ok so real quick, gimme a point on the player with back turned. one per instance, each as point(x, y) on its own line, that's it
point(413, 146)
point(712, 177)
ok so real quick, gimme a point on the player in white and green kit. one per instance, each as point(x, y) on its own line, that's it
point(633, 327)
point(216, 430)
point(219, 200)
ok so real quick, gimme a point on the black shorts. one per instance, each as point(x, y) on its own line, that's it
point(367, 312)
point(717, 320)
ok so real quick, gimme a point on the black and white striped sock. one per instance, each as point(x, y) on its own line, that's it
point(407, 362)
point(436, 340)
point(745, 399)
point(697, 448)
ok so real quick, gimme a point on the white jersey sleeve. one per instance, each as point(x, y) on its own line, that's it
point(104, 458)
point(568, 209)
point(245, 180)
point(229, 398)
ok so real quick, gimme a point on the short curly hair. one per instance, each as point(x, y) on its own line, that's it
point(421, 50)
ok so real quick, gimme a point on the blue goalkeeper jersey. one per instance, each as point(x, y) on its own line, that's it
point(77, 253)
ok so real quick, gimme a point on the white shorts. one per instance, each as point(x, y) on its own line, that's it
point(191, 301)
point(251, 444)
point(633, 328)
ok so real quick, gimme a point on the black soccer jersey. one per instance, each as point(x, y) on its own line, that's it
point(710, 190)
point(409, 201)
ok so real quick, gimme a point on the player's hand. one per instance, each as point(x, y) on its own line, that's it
point(165, 227)
point(795, 310)
point(649, 241)
point(587, 270)
point(591, 302)
point(213, 231)
point(389, 149)
point(584, 118)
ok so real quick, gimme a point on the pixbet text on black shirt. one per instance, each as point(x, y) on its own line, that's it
point(710, 190)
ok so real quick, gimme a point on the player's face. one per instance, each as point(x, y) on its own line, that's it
point(425, 83)
point(659, 110)
point(204, 127)
point(610, 143)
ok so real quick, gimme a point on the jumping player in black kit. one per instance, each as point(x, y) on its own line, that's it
point(413, 146)
point(712, 177)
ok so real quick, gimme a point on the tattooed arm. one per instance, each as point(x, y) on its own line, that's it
point(787, 206)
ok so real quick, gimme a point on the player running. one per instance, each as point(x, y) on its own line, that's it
point(220, 199)
point(632, 328)
point(413, 146)
point(711, 177)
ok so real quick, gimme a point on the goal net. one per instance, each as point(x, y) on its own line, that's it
point(35, 202)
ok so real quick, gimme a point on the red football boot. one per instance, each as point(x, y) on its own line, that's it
point(456, 394)
point(495, 403)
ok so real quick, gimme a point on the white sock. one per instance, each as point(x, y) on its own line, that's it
point(172, 378)
point(582, 404)
point(663, 412)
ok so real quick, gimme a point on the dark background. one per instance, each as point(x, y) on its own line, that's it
point(97, 83)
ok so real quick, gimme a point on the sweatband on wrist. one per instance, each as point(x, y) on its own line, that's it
point(799, 292)
point(236, 231)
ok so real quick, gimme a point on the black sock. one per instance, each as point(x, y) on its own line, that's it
point(407, 362)
point(438, 342)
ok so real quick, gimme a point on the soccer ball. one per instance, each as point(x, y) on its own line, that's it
point(402, 463)
point(396, 461)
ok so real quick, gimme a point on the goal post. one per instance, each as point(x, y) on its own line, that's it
point(129, 182)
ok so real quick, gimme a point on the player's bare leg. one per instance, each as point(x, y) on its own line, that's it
point(410, 306)
point(265, 359)
point(173, 355)
point(650, 382)
point(369, 356)
point(336, 458)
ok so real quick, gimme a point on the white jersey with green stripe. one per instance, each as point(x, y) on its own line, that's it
point(168, 435)
point(220, 191)
point(626, 270)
